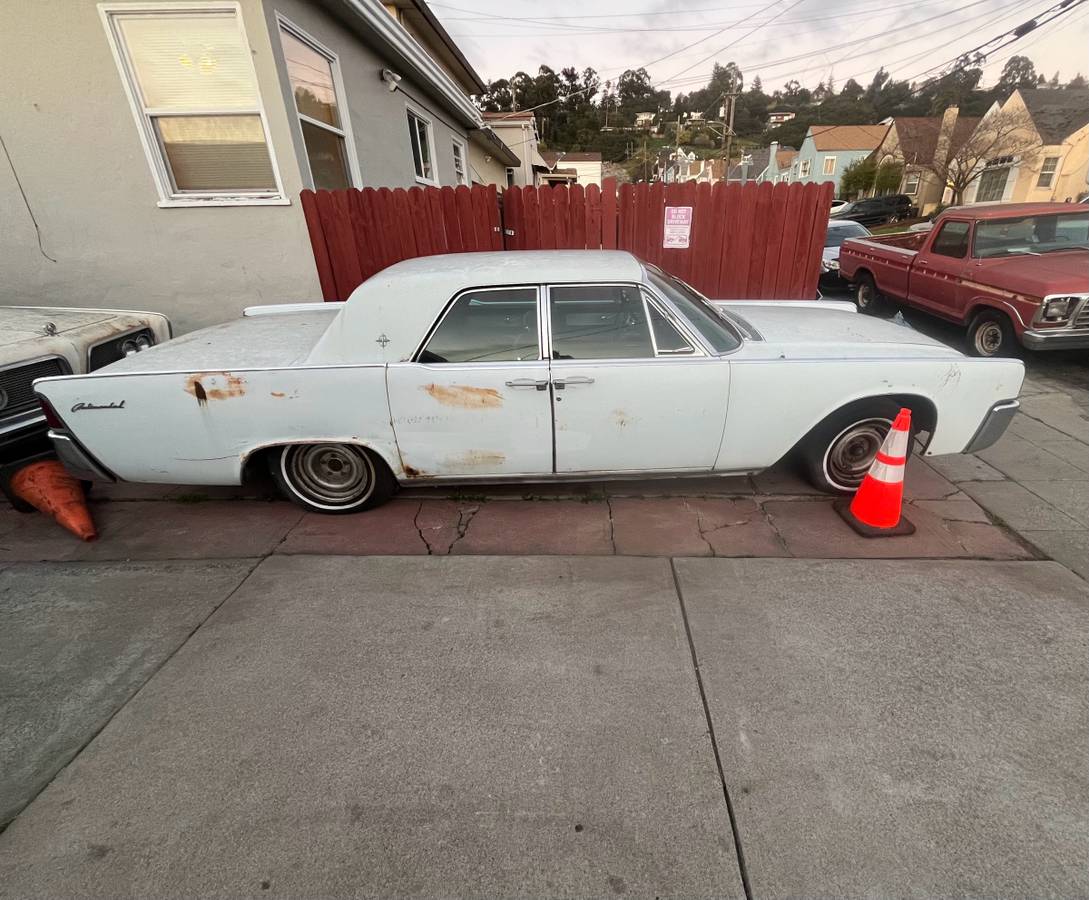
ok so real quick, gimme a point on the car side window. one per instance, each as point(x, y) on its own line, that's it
point(667, 340)
point(497, 325)
point(602, 321)
point(951, 240)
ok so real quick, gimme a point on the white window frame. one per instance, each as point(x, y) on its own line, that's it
point(825, 167)
point(345, 130)
point(461, 153)
point(411, 109)
point(1050, 176)
point(804, 168)
point(910, 177)
point(156, 157)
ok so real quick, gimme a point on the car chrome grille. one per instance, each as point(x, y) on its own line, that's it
point(16, 391)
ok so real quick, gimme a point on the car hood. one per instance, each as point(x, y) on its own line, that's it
point(827, 331)
point(18, 323)
point(1062, 272)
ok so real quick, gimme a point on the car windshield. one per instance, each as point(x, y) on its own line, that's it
point(840, 233)
point(697, 311)
point(1032, 235)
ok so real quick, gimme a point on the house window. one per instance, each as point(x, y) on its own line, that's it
point(804, 168)
point(510, 177)
point(461, 164)
point(911, 184)
point(189, 76)
point(314, 73)
point(829, 165)
point(992, 184)
point(419, 132)
point(1047, 172)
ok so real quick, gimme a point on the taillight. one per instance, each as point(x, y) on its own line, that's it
point(51, 417)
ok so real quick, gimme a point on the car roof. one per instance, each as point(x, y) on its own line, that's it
point(388, 315)
point(1009, 210)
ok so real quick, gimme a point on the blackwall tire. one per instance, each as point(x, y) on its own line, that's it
point(868, 298)
point(990, 334)
point(331, 478)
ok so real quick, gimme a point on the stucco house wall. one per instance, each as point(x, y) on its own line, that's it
point(105, 238)
point(75, 150)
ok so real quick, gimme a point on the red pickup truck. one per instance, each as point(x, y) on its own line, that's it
point(1012, 272)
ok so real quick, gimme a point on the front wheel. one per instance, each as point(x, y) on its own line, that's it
point(332, 478)
point(838, 453)
point(991, 334)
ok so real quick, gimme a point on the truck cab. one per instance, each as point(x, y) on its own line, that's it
point(1012, 273)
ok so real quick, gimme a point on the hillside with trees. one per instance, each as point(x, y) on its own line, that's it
point(580, 111)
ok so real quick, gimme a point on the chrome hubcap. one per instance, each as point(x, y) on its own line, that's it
point(989, 338)
point(865, 295)
point(329, 474)
point(851, 454)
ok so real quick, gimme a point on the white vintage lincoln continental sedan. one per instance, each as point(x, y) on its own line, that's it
point(521, 366)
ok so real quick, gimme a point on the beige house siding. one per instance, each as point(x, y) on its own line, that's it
point(485, 168)
point(77, 153)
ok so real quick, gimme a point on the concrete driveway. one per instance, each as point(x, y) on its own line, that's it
point(480, 726)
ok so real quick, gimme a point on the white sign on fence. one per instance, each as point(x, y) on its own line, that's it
point(678, 227)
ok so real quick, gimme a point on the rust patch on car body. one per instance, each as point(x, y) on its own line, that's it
point(622, 418)
point(472, 459)
point(207, 386)
point(412, 472)
point(465, 396)
point(279, 395)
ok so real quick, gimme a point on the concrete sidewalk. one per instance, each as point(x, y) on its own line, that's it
point(347, 726)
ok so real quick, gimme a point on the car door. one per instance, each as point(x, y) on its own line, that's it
point(474, 402)
point(935, 281)
point(633, 389)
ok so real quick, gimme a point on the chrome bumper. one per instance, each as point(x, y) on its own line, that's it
point(993, 426)
point(1056, 339)
point(76, 460)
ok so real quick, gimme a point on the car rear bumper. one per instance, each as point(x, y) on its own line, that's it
point(993, 426)
point(76, 460)
point(1056, 339)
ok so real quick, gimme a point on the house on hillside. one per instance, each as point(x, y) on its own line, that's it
point(780, 162)
point(644, 120)
point(165, 175)
point(1049, 160)
point(518, 131)
point(828, 149)
point(585, 167)
point(753, 166)
point(921, 144)
point(778, 118)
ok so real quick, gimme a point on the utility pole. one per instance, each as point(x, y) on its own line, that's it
point(646, 162)
point(728, 133)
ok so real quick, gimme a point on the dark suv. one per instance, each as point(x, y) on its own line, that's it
point(876, 210)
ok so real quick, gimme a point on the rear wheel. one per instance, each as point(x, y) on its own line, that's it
point(868, 298)
point(991, 334)
point(838, 453)
point(332, 478)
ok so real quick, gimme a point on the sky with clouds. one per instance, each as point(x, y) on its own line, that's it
point(808, 40)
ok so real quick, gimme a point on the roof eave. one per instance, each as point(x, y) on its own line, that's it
point(394, 35)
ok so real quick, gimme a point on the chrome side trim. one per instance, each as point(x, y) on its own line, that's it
point(77, 461)
point(993, 426)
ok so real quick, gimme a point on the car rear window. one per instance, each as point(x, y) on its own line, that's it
point(1031, 235)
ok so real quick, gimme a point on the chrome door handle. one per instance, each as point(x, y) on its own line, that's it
point(527, 383)
point(560, 383)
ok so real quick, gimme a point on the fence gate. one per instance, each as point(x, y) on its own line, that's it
point(753, 241)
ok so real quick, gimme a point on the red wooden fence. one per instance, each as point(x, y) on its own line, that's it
point(749, 241)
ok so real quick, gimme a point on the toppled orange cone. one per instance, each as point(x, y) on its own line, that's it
point(48, 487)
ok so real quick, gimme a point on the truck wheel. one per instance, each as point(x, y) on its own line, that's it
point(991, 334)
point(868, 298)
point(837, 454)
point(332, 478)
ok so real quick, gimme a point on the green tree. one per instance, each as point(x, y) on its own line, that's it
point(1018, 73)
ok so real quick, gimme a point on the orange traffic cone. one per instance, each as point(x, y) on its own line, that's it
point(48, 487)
point(875, 509)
